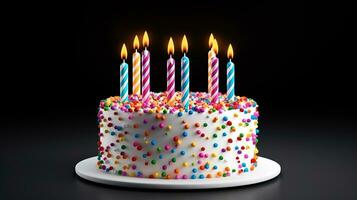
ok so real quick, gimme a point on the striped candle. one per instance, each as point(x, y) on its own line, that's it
point(124, 76)
point(215, 79)
point(145, 71)
point(136, 68)
point(230, 74)
point(211, 54)
point(214, 74)
point(185, 75)
point(170, 73)
point(230, 80)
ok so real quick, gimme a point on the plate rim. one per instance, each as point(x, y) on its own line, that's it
point(95, 175)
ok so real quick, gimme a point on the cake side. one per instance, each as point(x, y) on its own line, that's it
point(161, 141)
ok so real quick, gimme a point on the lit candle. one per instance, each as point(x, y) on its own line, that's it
point(230, 74)
point(123, 75)
point(185, 74)
point(214, 73)
point(170, 73)
point(210, 55)
point(136, 67)
point(145, 71)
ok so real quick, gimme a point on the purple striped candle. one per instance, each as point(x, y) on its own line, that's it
point(214, 74)
point(170, 73)
point(145, 71)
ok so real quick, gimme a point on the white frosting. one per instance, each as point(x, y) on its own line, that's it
point(120, 130)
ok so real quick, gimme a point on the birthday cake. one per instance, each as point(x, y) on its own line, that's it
point(161, 140)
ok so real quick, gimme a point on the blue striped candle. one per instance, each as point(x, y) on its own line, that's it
point(230, 80)
point(185, 75)
point(230, 74)
point(124, 75)
point(185, 81)
point(124, 82)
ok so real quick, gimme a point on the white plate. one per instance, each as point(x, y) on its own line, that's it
point(267, 169)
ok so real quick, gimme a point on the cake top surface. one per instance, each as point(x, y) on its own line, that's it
point(199, 102)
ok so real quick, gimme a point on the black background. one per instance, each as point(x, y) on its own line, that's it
point(295, 58)
point(289, 55)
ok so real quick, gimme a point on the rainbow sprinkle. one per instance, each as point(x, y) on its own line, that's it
point(161, 141)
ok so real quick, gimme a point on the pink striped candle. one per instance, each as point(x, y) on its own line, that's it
point(214, 74)
point(170, 73)
point(145, 71)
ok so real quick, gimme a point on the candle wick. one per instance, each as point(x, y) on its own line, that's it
point(123, 61)
point(230, 60)
point(170, 56)
point(136, 50)
point(145, 47)
point(184, 54)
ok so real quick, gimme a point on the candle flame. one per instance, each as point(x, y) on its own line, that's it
point(146, 39)
point(170, 47)
point(136, 42)
point(184, 44)
point(124, 52)
point(215, 46)
point(230, 52)
point(210, 41)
